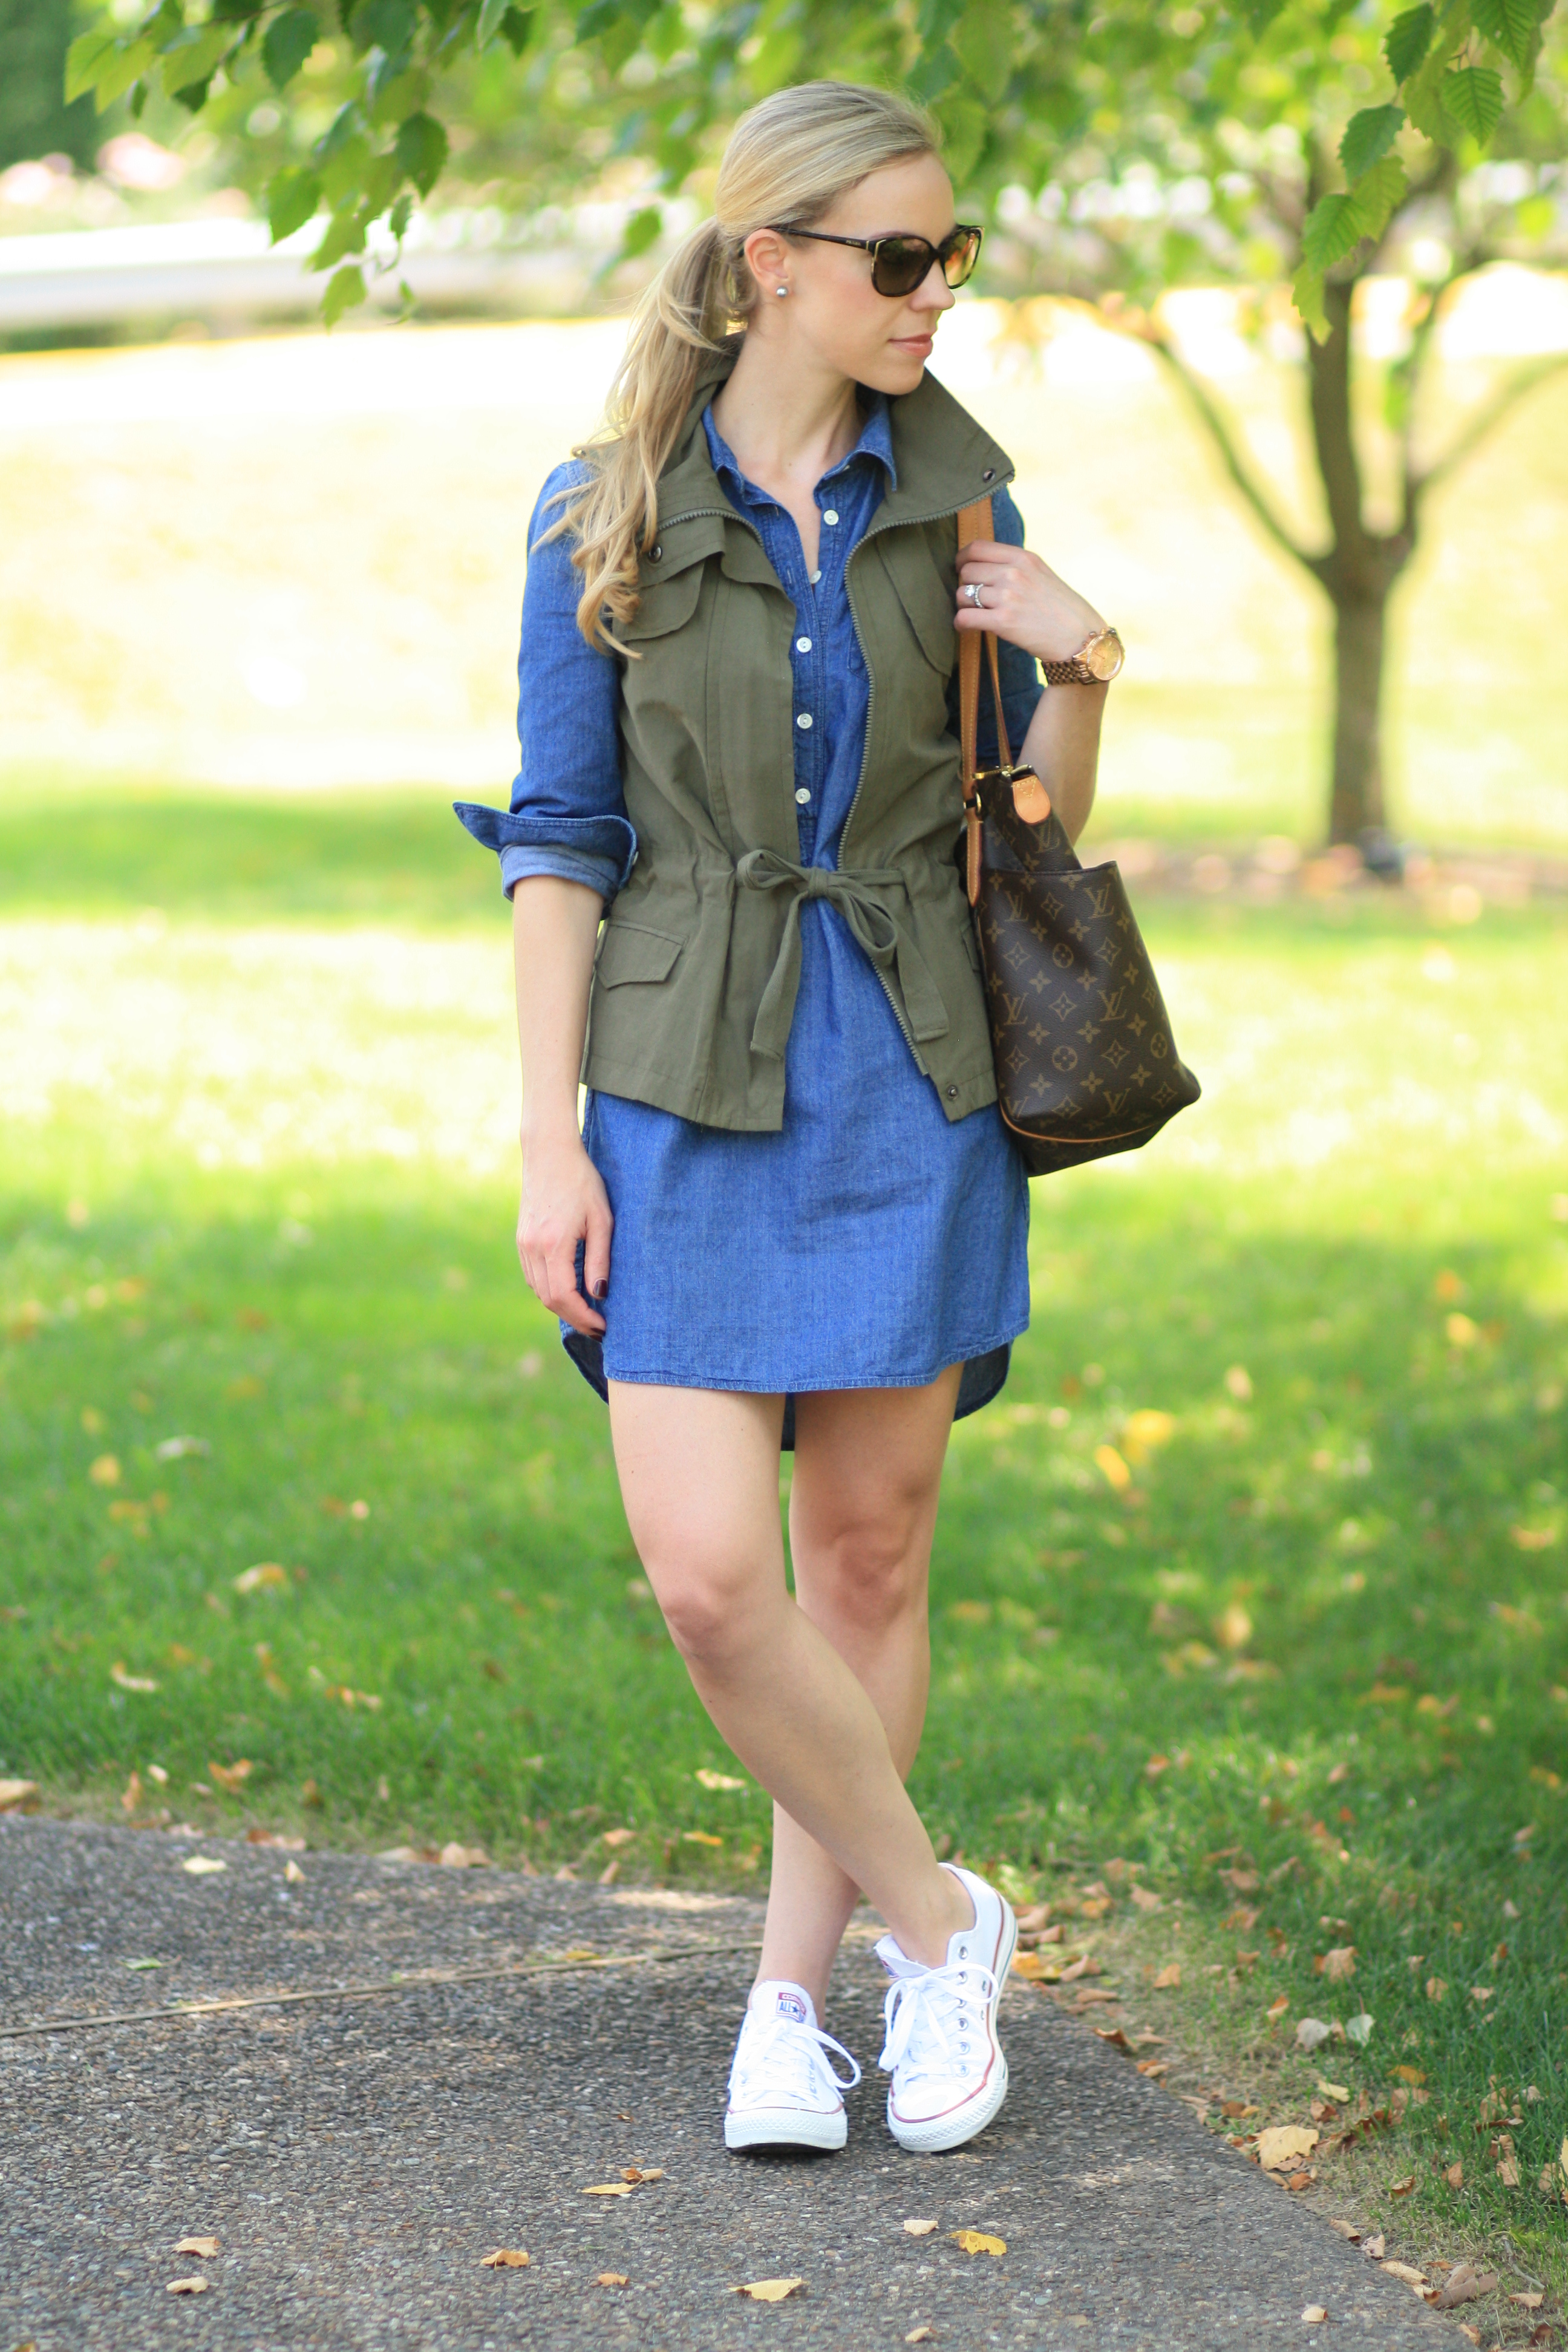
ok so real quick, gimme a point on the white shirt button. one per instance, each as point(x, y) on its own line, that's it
point(830, 514)
point(803, 796)
point(803, 644)
point(815, 577)
point(805, 718)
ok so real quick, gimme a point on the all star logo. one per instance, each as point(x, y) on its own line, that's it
point(791, 2005)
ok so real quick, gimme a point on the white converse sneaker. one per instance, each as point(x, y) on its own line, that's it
point(784, 2092)
point(950, 2077)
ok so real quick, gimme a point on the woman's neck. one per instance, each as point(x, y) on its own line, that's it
point(787, 417)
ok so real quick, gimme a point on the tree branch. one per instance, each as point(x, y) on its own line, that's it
point(1490, 415)
point(1229, 452)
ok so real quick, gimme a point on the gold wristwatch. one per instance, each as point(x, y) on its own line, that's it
point(1096, 662)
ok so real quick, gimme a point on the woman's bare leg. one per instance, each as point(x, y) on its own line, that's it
point(698, 1473)
point(863, 1506)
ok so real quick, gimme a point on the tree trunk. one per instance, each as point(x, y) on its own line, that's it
point(1356, 800)
point(1356, 575)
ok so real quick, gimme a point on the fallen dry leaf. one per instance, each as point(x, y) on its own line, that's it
point(611, 2278)
point(1358, 2029)
point(1145, 1899)
point(205, 2247)
point(1338, 1963)
point(1233, 1627)
point(920, 2229)
point(1313, 2316)
point(1410, 2073)
point(1033, 1969)
point(976, 2242)
point(454, 1856)
point(15, 1794)
point(711, 1780)
point(636, 2172)
point(1115, 2036)
point(123, 1678)
point(1113, 1468)
point(921, 2336)
point(1437, 1988)
point(1169, 1977)
point(1310, 2032)
point(1347, 2229)
point(1278, 2148)
point(266, 1572)
point(105, 1471)
point(1455, 2176)
point(1402, 2188)
point(1333, 2090)
point(232, 1777)
point(293, 1873)
point(1465, 2284)
point(701, 1837)
point(611, 2189)
point(1530, 2301)
point(505, 2258)
point(1542, 2335)
point(767, 2290)
point(187, 2286)
point(1406, 2272)
point(1374, 2248)
point(202, 1865)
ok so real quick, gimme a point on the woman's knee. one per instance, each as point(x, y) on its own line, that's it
point(709, 1594)
point(869, 1568)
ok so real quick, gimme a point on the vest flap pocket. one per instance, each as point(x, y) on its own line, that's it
point(663, 605)
point(628, 951)
point(925, 596)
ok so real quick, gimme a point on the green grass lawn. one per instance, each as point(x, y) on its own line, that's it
point(1295, 1653)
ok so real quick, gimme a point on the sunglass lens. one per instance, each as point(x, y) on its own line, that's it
point(902, 263)
point(958, 254)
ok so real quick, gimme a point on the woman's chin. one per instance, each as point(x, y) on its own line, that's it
point(895, 372)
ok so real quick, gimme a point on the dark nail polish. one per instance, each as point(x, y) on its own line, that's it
point(601, 1290)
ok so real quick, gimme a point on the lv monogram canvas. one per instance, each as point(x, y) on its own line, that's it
point(1086, 1061)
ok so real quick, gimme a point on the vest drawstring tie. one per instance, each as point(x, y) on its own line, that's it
point(874, 929)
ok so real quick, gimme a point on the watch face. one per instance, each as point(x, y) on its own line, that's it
point(1105, 656)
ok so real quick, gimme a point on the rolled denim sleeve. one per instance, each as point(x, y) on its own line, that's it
point(568, 812)
point(1021, 686)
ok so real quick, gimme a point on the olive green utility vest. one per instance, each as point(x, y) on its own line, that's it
point(698, 965)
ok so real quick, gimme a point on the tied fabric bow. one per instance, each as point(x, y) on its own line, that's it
point(873, 928)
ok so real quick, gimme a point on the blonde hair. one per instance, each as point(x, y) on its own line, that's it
point(787, 161)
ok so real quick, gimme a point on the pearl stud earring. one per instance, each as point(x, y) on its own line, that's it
point(782, 290)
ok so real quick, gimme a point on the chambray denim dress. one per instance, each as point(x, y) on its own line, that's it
point(871, 1242)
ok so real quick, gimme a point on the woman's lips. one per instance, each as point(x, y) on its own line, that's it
point(918, 346)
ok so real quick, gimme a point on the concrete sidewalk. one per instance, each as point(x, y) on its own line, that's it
point(357, 2160)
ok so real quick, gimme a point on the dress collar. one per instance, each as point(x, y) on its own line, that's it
point(876, 441)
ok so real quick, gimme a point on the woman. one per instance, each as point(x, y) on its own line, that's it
point(793, 1214)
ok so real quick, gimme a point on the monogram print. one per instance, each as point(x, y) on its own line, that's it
point(1086, 1062)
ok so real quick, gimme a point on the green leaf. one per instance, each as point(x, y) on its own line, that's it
point(289, 40)
point(516, 30)
point(1378, 194)
point(383, 25)
point(1260, 13)
point(935, 71)
point(292, 197)
point(1369, 135)
point(1334, 229)
point(86, 58)
point(401, 213)
point(985, 40)
point(640, 231)
point(1472, 99)
point(196, 56)
point(343, 291)
point(119, 71)
point(1511, 25)
point(421, 149)
point(1409, 38)
point(489, 26)
point(344, 233)
point(1307, 293)
point(936, 20)
point(964, 125)
point(596, 18)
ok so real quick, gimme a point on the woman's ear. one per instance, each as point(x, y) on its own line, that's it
point(769, 259)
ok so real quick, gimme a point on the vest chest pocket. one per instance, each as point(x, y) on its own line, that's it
point(926, 591)
point(628, 951)
point(664, 606)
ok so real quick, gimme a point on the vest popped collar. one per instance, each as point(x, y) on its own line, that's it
point(698, 965)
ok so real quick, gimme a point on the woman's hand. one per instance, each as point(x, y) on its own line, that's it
point(1023, 600)
point(563, 1203)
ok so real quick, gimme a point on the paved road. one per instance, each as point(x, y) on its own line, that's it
point(356, 2160)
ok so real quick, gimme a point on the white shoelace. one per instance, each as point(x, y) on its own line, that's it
point(934, 2021)
point(781, 2057)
